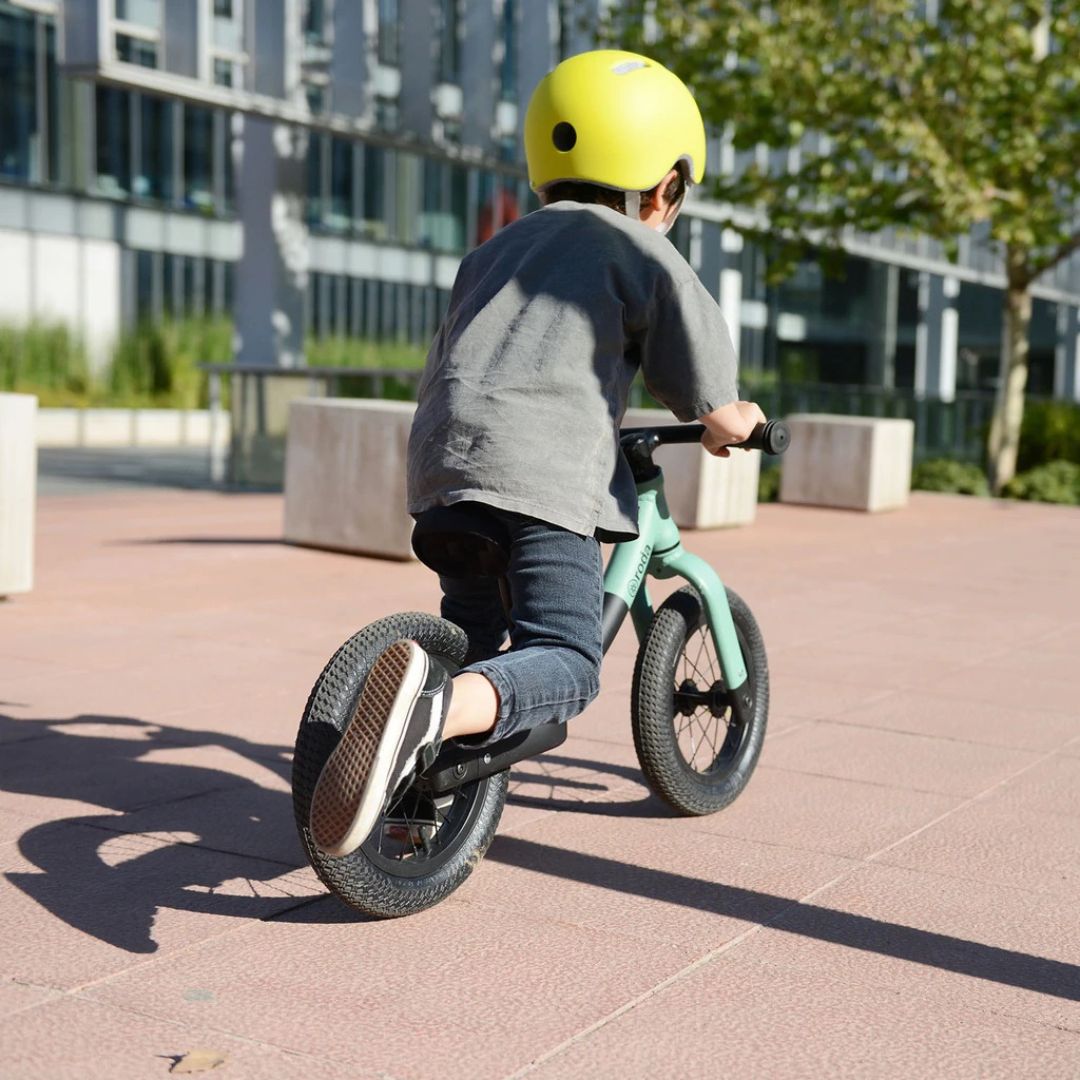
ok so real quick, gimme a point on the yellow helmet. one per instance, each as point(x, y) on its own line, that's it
point(615, 119)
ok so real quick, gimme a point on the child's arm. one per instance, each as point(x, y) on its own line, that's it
point(728, 425)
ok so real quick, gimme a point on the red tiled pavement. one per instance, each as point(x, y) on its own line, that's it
point(893, 895)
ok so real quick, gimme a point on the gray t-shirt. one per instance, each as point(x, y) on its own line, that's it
point(527, 379)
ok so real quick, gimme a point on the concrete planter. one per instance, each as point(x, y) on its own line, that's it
point(703, 492)
point(850, 462)
point(345, 476)
point(18, 480)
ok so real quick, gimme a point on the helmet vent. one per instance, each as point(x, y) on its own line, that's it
point(564, 136)
point(627, 66)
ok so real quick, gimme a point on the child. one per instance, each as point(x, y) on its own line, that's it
point(519, 410)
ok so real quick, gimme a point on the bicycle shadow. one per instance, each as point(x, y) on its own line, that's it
point(161, 839)
point(547, 772)
point(173, 834)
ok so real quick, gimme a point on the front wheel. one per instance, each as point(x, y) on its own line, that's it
point(425, 845)
point(695, 753)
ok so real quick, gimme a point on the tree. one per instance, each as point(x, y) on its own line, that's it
point(938, 117)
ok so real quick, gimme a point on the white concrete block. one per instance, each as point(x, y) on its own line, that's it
point(59, 427)
point(158, 427)
point(703, 491)
point(107, 427)
point(16, 295)
point(852, 462)
point(345, 476)
point(18, 492)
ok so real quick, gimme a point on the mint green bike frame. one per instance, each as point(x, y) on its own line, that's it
point(658, 552)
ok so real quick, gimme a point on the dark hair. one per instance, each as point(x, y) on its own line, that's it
point(582, 192)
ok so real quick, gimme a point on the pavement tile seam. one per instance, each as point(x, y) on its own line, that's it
point(750, 932)
point(653, 991)
point(866, 783)
point(842, 722)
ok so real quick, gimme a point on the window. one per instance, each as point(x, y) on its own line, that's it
point(389, 44)
point(142, 12)
point(315, 177)
point(386, 114)
point(223, 9)
point(316, 98)
point(315, 21)
point(113, 142)
point(198, 157)
point(133, 50)
point(20, 126)
point(508, 69)
point(223, 72)
point(374, 210)
point(341, 184)
point(154, 161)
point(450, 40)
point(445, 206)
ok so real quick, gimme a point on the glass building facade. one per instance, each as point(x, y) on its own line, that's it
point(405, 190)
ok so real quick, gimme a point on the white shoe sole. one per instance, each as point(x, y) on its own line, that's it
point(355, 781)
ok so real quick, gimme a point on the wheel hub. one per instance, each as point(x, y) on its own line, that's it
point(690, 697)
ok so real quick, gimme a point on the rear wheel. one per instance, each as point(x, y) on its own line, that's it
point(695, 753)
point(425, 845)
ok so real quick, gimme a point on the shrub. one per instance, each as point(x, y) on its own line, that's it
point(46, 359)
point(156, 363)
point(768, 484)
point(944, 474)
point(1050, 432)
point(363, 353)
point(1055, 482)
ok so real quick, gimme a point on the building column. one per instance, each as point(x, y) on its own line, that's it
point(884, 299)
point(936, 337)
point(272, 273)
point(536, 50)
point(271, 179)
point(478, 73)
point(1067, 354)
point(353, 58)
point(417, 68)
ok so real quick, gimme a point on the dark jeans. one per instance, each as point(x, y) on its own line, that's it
point(552, 669)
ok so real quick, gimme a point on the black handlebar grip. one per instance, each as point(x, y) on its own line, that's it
point(772, 437)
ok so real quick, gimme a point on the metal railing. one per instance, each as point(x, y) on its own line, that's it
point(955, 429)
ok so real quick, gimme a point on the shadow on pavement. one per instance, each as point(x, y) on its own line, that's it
point(1005, 966)
point(108, 874)
point(533, 773)
point(214, 540)
point(167, 844)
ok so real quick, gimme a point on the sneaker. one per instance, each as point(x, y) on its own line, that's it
point(397, 724)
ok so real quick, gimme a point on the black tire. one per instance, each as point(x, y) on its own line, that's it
point(675, 662)
point(443, 846)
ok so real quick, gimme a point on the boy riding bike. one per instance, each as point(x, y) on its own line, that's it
point(518, 416)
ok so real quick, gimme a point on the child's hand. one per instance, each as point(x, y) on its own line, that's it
point(730, 424)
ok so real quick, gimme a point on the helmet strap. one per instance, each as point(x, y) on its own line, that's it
point(633, 204)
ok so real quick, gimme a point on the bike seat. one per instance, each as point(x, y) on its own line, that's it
point(462, 541)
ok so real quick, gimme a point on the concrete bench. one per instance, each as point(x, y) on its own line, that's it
point(851, 462)
point(18, 492)
point(703, 491)
point(345, 477)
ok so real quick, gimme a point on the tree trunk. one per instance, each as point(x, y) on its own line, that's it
point(1009, 407)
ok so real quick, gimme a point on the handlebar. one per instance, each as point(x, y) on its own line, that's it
point(772, 437)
